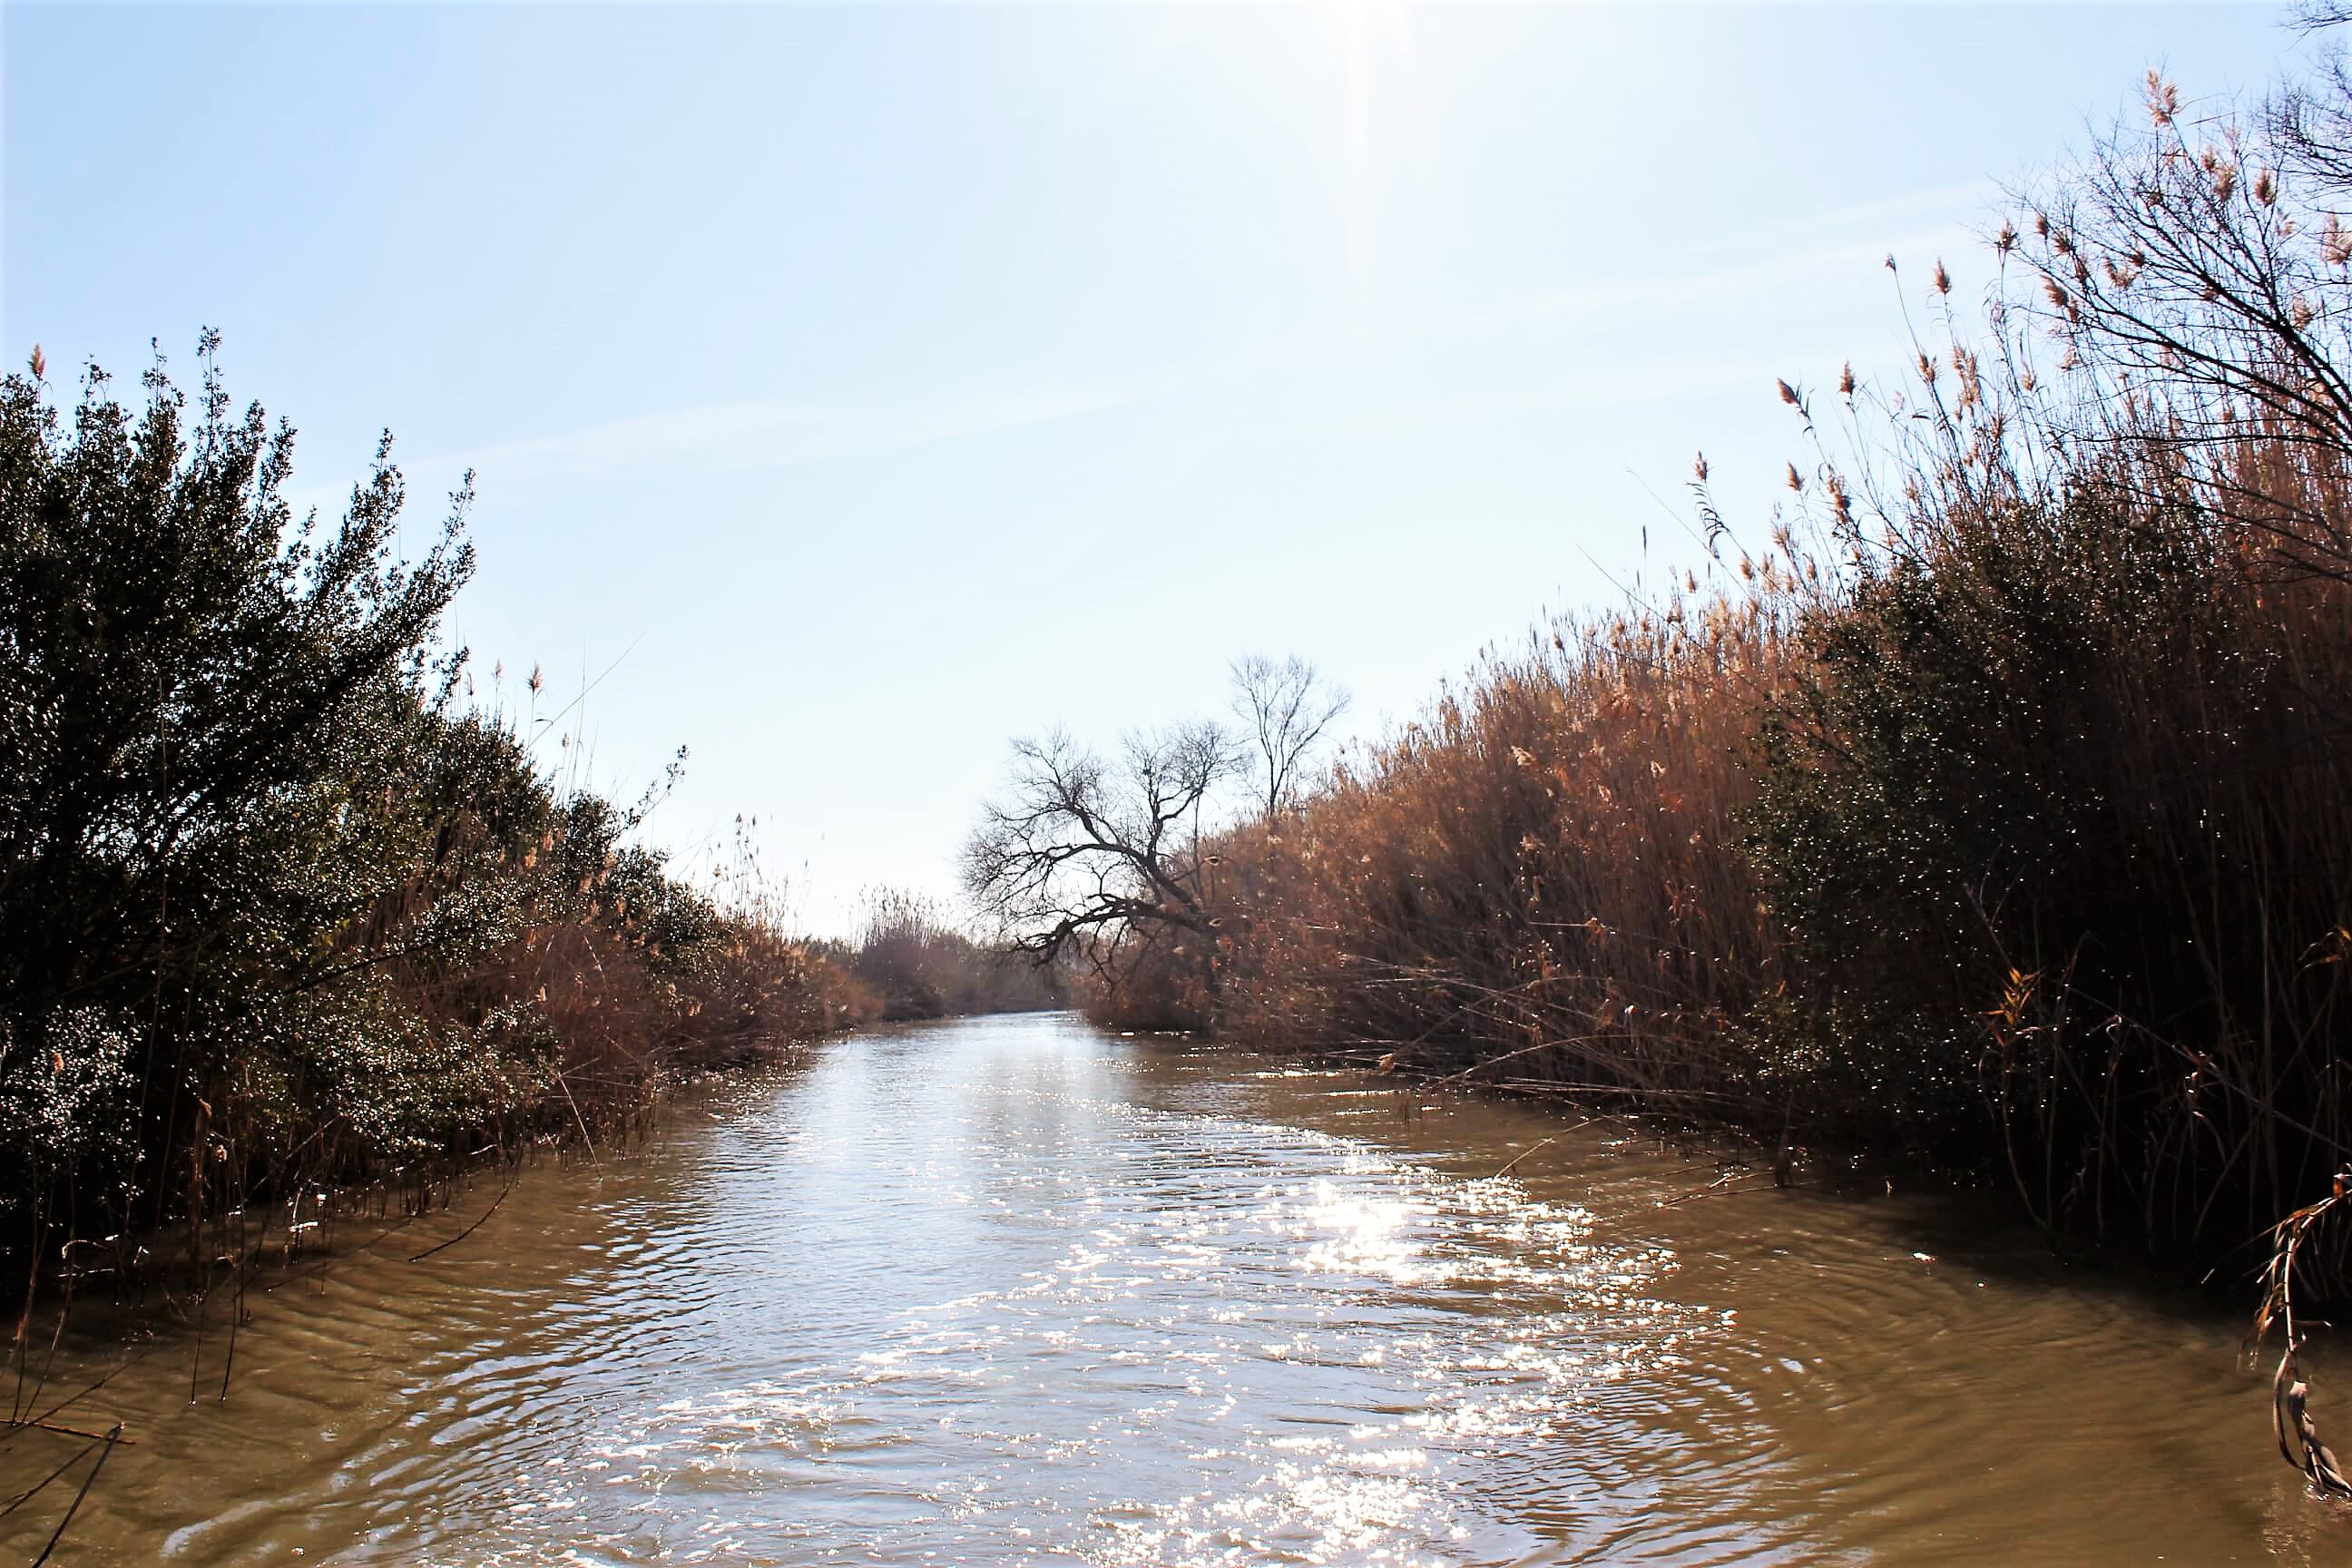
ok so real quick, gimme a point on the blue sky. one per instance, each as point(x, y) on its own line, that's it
point(874, 382)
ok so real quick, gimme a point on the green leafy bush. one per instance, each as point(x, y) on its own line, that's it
point(275, 906)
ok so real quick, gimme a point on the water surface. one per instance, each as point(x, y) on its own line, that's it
point(1015, 1291)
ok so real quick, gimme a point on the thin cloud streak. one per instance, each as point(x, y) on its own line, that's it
point(734, 437)
point(1749, 272)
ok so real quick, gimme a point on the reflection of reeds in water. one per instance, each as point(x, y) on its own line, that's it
point(100, 1448)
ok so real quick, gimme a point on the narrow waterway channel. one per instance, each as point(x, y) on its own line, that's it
point(1015, 1291)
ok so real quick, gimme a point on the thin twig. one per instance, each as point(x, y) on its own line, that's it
point(64, 1430)
point(1523, 1153)
point(475, 1225)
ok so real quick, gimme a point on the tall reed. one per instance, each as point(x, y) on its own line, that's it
point(1997, 819)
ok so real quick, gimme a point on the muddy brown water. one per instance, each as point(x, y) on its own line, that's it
point(1015, 1291)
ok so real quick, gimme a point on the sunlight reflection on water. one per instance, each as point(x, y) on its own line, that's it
point(1292, 1361)
point(1010, 1291)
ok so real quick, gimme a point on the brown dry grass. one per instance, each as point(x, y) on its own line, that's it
point(2019, 843)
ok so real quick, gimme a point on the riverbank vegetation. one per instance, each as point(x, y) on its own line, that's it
point(283, 907)
point(909, 961)
point(1988, 808)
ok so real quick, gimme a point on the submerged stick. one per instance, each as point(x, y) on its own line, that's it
point(83, 1432)
point(475, 1225)
point(1522, 1154)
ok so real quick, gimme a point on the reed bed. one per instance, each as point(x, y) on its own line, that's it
point(2018, 848)
point(1995, 818)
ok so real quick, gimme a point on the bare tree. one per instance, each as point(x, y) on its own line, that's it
point(1093, 859)
point(2199, 277)
point(1286, 709)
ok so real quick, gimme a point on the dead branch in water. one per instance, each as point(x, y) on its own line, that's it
point(2291, 1419)
point(65, 1431)
point(477, 1224)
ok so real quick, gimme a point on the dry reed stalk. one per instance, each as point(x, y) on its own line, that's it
point(2291, 1419)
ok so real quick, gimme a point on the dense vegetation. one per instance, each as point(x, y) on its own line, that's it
point(907, 961)
point(1995, 815)
point(279, 906)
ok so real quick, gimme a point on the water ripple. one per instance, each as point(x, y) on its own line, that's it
point(1013, 1292)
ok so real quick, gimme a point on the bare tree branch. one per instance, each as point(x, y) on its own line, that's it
point(1082, 859)
point(1286, 709)
point(2200, 276)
